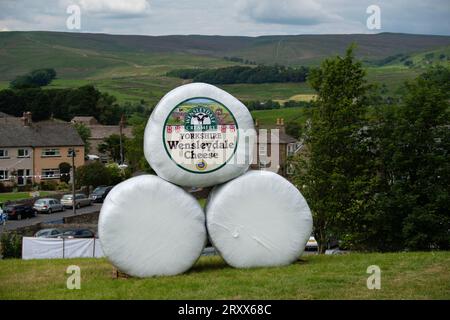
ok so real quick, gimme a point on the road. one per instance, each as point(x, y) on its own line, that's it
point(48, 218)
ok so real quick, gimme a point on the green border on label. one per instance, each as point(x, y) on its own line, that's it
point(164, 135)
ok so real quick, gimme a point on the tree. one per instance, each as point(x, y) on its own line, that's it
point(111, 146)
point(135, 149)
point(34, 79)
point(293, 128)
point(331, 173)
point(85, 134)
point(92, 174)
point(64, 170)
point(414, 142)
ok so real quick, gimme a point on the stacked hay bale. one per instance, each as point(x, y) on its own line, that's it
point(200, 136)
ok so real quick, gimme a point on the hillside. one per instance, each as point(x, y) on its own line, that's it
point(134, 68)
point(83, 54)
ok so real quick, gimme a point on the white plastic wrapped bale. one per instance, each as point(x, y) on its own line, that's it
point(199, 136)
point(258, 219)
point(150, 227)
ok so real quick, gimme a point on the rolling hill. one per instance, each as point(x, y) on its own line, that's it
point(133, 67)
point(83, 54)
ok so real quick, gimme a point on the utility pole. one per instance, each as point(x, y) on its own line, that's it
point(121, 124)
point(72, 154)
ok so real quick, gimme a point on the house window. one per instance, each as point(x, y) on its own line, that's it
point(50, 174)
point(3, 174)
point(3, 153)
point(51, 153)
point(263, 161)
point(290, 149)
point(23, 153)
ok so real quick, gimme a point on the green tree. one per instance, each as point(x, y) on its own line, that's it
point(414, 168)
point(93, 174)
point(135, 149)
point(331, 173)
point(85, 134)
point(111, 146)
point(65, 169)
point(293, 128)
point(36, 78)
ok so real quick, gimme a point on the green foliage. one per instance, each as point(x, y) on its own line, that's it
point(63, 186)
point(239, 74)
point(96, 174)
point(413, 198)
point(34, 79)
point(377, 177)
point(116, 174)
point(11, 245)
point(293, 129)
point(111, 146)
point(85, 134)
point(92, 174)
point(48, 185)
point(63, 104)
point(330, 174)
point(135, 150)
point(64, 170)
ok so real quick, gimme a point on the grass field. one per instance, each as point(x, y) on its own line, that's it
point(11, 196)
point(414, 275)
point(268, 118)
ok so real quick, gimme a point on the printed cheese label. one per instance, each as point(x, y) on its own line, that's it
point(200, 135)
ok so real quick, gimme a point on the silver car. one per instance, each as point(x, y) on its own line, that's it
point(81, 200)
point(48, 233)
point(48, 205)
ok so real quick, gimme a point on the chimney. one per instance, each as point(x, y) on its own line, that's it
point(280, 125)
point(26, 119)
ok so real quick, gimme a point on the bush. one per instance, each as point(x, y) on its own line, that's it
point(93, 174)
point(5, 188)
point(11, 245)
point(63, 186)
point(49, 185)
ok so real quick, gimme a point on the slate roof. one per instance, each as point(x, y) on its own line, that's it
point(88, 120)
point(49, 133)
point(100, 132)
point(283, 138)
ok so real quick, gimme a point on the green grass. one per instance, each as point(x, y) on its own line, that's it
point(268, 118)
point(134, 69)
point(11, 196)
point(414, 275)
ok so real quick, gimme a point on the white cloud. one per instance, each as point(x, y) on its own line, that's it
point(290, 12)
point(115, 7)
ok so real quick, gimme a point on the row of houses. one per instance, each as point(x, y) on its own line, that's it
point(33, 152)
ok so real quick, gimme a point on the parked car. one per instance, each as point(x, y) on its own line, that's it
point(19, 211)
point(80, 200)
point(48, 233)
point(3, 217)
point(99, 194)
point(312, 244)
point(48, 205)
point(77, 233)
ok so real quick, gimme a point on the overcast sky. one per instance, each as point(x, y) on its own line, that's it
point(227, 17)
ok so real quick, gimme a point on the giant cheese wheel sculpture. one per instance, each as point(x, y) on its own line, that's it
point(199, 135)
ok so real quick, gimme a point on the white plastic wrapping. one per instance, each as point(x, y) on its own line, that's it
point(199, 135)
point(149, 227)
point(258, 219)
